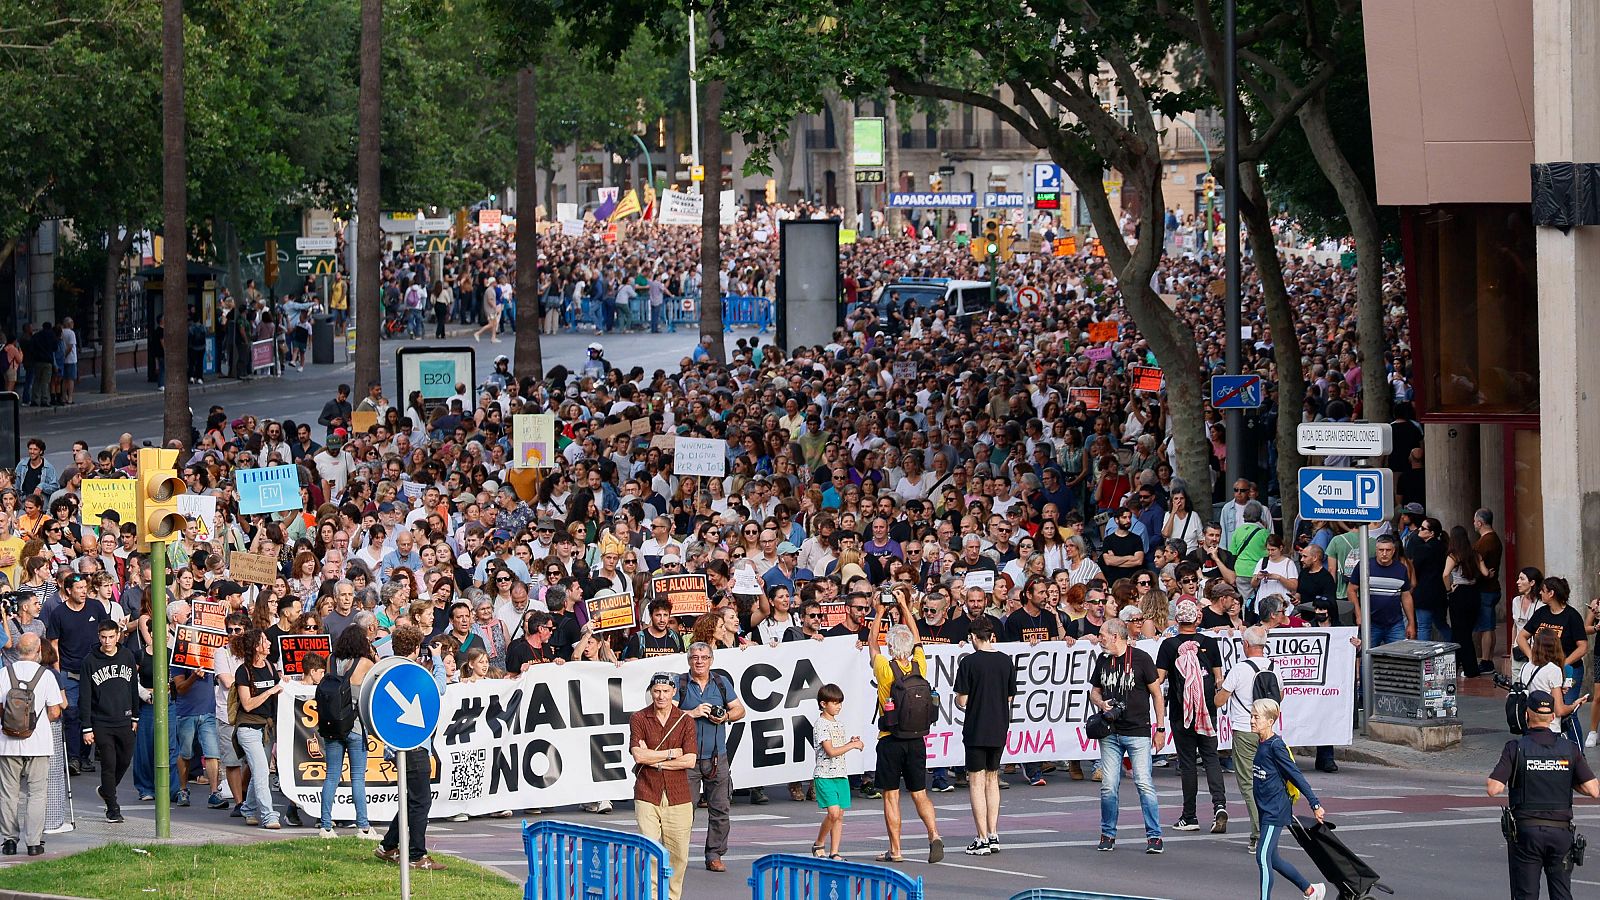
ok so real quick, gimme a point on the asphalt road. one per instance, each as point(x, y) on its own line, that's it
point(1429, 834)
point(301, 395)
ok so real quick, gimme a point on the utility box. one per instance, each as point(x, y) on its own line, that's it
point(322, 340)
point(1415, 681)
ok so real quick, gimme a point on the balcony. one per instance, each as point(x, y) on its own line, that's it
point(947, 139)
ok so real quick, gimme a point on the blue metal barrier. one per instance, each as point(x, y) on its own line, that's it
point(756, 311)
point(1063, 894)
point(787, 876)
point(579, 862)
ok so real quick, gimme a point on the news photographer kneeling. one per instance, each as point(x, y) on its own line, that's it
point(1542, 769)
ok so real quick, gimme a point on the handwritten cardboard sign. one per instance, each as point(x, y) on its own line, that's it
point(292, 650)
point(253, 568)
point(1102, 332)
point(686, 593)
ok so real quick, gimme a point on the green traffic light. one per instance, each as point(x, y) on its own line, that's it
point(992, 248)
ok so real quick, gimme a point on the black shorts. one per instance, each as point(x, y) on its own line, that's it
point(902, 759)
point(984, 759)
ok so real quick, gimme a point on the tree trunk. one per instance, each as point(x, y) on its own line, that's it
point(1171, 339)
point(369, 239)
point(1362, 211)
point(529, 358)
point(116, 249)
point(176, 420)
point(891, 161)
point(711, 215)
point(1257, 217)
point(844, 114)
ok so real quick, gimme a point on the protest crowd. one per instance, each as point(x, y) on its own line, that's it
point(916, 482)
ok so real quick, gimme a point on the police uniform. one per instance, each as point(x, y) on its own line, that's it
point(1541, 770)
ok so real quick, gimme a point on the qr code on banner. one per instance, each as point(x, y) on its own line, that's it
point(467, 769)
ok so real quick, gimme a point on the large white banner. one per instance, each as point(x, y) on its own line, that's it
point(558, 735)
point(1316, 669)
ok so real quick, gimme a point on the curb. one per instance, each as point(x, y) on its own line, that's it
point(19, 895)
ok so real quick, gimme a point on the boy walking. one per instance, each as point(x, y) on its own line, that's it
point(831, 779)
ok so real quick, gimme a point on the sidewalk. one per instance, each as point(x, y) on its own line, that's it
point(1483, 736)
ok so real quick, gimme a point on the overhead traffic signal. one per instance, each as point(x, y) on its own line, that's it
point(156, 500)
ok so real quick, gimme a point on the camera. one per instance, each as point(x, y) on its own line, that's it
point(719, 712)
point(1115, 712)
point(11, 602)
point(1506, 684)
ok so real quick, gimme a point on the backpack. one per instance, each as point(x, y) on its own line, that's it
point(1265, 686)
point(911, 710)
point(336, 708)
point(18, 718)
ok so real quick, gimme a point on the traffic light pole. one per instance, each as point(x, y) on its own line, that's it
point(158, 687)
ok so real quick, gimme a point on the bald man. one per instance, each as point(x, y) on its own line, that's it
point(25, 761)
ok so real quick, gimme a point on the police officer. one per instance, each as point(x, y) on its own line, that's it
point(1542, 769)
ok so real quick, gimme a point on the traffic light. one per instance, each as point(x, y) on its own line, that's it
point(156, 499)
point(991, 237)
point(1211, 186)
point(1007, 236)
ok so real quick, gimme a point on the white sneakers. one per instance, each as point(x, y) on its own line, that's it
point(367, 834)
point(1591, 740)
point(1318, 891)
point(326, 833)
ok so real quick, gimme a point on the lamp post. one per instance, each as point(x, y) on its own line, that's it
point(1231, 314)
point(1206, 149)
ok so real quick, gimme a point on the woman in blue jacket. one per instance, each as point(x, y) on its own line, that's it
point(1272, 771)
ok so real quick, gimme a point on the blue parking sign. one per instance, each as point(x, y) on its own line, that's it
point(268, 490)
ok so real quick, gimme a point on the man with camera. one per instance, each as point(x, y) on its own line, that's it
point(1124, 687)
point(710, 700)
point(1541, 769)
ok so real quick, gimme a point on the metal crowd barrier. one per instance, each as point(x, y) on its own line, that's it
point(787, 876)
point(755, 311)
point(579, 862)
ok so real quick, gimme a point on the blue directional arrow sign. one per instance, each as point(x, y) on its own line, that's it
point(400, 703)
point(1235, 391)
point(1364, 496)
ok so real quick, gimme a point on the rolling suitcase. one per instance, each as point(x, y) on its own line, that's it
point(1340, 867)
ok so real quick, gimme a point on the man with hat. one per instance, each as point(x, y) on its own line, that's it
point(1189, 664)
point(787, 572)
point(662, 740)
point(1541, 770)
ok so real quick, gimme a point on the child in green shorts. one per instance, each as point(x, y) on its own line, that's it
point(831, 779)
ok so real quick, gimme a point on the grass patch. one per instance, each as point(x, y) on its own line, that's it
point(266, 870)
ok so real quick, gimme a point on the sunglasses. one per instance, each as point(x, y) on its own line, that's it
point(861, 609)
point(816, 616)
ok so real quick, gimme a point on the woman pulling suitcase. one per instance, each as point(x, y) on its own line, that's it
point(1273, 771)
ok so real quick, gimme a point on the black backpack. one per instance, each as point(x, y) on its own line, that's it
point(1265, 686)
point(336, 707)
point(911, 696)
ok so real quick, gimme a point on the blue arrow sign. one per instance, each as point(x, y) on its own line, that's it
point(400, 703)
point(1346, 495)
point(1235, 391)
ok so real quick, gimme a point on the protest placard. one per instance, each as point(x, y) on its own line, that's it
point(609, 612)
point(193, 648)
point(980, 578)
point(905, 370)
point(1145, 378)
point(362, 420)
point(292, 650)
point(640, 426)
point(1088, 396)
point(533, 441)
point(611, 431)
point(253, 568)
point(700, 456)
point(1097, 354)
point(267, 490)
point(1102, 332)
point(208, 614)
point(664, 442)
point(96, 495)
point(686, 593)
point(201, 509)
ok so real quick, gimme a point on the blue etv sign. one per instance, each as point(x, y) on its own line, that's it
point(268, 490)
point(1235, 391)
point(1346, 495)
point(933, 200)
point(400, 703)
point(1006, 200)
